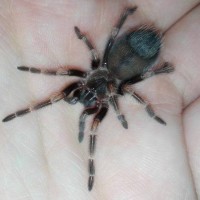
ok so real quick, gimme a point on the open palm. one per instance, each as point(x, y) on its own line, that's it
point(40, 155)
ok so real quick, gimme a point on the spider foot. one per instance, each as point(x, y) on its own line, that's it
point(131, 10)
point(9, 117)
point(159, 120)
point(90, 182)
point(165, 68)
point(123, 121)
point(17, 114)
point(152, 114)
point(80, 136)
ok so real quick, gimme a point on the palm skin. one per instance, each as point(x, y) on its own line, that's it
point(40, 154)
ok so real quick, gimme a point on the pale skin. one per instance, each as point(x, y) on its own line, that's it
point(40, 155)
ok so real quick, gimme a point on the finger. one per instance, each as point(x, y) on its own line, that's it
point(164, 13)
point(182, 47)
point(192, 136)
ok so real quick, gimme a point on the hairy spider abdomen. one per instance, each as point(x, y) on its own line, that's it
point(133, 53)
point(145, 42)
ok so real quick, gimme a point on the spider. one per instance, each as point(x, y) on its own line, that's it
point(127, 59)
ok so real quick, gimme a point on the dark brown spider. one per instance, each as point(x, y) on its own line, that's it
point(127, 60)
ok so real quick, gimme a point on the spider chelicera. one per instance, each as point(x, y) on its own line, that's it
point(127, 59)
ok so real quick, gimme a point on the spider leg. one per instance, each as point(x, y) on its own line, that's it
point(51, 100)
point(59, 72)
point(92, 144)
point(114, 102)
point(163, 69)
point(85, 113)
point(115, 31)
point(148, 107)
point(22, 112)
point(95, 57)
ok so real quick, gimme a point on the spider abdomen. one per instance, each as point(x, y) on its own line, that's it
point(133, 53)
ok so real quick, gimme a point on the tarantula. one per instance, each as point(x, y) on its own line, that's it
point(127, 60)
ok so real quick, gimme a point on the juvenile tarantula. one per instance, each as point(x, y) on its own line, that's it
point(127, 60)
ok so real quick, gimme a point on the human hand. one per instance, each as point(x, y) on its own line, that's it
point(40, 154)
